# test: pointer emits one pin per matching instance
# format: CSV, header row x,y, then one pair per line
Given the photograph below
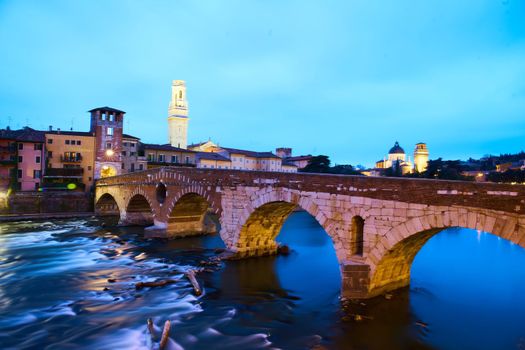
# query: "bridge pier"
x,y
355,280
136,218
182,226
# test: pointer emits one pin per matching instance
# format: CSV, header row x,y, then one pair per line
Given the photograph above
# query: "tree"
x,y
318,164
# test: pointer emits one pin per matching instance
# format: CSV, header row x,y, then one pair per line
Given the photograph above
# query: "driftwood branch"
x,y
161,283
165,335
190,274
151,329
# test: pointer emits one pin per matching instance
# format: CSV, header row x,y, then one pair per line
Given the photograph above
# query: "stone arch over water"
x,y
391,259
262,218
139,210
188,215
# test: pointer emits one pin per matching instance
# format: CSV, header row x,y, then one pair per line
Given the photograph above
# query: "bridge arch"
x,y
189,213
391,259
261,220
139,210
106,205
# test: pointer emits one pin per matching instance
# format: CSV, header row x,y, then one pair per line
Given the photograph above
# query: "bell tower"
x,y
178,115
420,157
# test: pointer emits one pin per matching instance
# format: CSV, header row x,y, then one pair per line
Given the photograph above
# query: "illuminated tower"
x,y
106,126
178,115
420,157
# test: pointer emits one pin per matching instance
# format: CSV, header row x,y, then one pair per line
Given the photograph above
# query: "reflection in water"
x,y
71,284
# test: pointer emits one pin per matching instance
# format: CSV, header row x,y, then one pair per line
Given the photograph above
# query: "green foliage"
x,y
508,176
318,164
446,170
321,164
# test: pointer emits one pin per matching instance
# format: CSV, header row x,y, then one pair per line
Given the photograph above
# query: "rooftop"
x,y
396,149
165,147
106,109
297,158
251,153
212,156
25,134
69,132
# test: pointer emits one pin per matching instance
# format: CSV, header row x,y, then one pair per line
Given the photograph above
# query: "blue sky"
x,y
342,78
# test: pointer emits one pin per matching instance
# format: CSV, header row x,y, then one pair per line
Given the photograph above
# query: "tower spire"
x,y
178,115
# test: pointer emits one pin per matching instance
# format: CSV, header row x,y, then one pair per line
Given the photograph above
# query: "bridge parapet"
x,y
509,198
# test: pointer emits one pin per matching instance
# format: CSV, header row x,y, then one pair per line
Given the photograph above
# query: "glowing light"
x,y
105,167
109,152
71,186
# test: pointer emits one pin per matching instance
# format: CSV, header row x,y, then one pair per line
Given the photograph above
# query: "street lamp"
x,y
109,152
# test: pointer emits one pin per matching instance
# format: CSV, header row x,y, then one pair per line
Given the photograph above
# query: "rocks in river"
x,y
112,280
160,283
283,250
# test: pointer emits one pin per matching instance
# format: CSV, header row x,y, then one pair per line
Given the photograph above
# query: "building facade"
x,y
70,160
167,155
132,157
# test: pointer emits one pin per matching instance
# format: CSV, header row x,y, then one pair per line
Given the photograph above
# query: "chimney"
x,y
50,127
58,130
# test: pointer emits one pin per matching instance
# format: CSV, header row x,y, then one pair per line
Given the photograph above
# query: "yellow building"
x,y
212,160
70,157
167,155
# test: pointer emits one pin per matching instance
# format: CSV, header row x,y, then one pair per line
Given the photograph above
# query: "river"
x,y
70,284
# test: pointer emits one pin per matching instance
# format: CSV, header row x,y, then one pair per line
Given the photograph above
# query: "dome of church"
x,y
396,149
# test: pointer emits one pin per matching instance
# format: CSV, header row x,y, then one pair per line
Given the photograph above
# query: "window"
x,y
162,158
125,144
141,166
49,154
37,174
132,145
49,141
132,153
124,153
103,116
67,142
174,159
122,166
180,93
19,173
187,160
20,159
20,146
78,142
89,167
151,157
37,185
109,131
111,117
132,168
108,145
37,160
358,224
89,178
38,146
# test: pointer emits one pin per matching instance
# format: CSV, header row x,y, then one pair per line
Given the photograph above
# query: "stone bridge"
x,y
377,225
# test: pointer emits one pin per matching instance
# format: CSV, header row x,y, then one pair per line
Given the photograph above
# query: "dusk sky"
x,y
342,78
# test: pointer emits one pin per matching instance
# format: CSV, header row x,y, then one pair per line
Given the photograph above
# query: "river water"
x,y
467,292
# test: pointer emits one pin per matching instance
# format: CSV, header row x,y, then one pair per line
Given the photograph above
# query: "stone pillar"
x,y
355,280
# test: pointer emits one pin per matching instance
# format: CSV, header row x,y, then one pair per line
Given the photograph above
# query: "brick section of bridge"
x,y
399,214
